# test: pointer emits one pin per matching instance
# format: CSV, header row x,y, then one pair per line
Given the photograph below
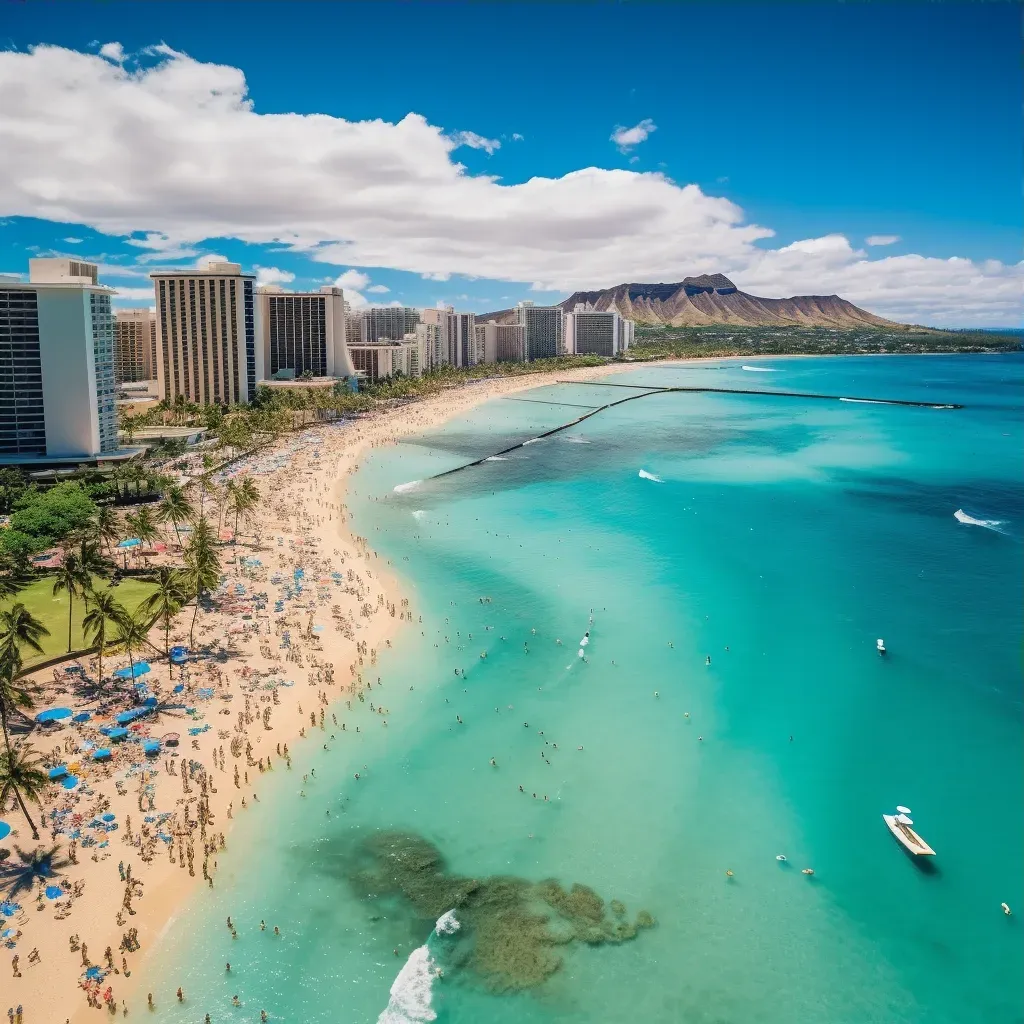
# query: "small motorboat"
x,y
880,645
901,826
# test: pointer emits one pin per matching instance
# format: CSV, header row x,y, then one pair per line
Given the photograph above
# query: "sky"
x,y
476,154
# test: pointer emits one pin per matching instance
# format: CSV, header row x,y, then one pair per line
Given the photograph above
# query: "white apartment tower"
x,y
303,332
543,330
57,394
135,349
207,331
388,323
597,332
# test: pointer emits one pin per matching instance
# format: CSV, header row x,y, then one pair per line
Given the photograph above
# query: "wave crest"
x,y
990,524
644,475
406,487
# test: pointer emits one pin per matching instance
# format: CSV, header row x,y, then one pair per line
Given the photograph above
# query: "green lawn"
x,y
52,611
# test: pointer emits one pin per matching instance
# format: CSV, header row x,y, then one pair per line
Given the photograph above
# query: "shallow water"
x,y
779,536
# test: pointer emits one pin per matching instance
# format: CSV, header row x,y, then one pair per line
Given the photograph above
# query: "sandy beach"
x,y
303,610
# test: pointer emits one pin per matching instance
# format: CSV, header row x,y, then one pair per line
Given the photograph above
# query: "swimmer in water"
x,y
708,662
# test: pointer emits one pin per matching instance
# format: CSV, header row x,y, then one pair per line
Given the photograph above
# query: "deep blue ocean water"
x,y
780,537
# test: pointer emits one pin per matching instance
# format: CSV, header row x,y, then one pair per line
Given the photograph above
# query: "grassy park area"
x,y
52,611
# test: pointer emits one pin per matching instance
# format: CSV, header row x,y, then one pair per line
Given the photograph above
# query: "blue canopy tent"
x,y
101,755
139,668
151,747
53,715
70,782
179,655
127,717
116,734
131,542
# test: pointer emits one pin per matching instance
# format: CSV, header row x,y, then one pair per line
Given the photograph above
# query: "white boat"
x,y
880,645
900,825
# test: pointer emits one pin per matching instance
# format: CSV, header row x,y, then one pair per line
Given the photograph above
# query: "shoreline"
x,y
303,522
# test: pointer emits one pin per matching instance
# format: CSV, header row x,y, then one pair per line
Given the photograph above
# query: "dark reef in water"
x,y
511,928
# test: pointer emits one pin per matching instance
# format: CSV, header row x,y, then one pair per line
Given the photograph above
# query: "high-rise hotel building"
x,y
597,332
303,332
135,348
207,335
57,394
543,330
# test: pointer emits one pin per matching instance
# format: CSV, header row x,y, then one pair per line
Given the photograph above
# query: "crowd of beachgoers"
x,y
149,766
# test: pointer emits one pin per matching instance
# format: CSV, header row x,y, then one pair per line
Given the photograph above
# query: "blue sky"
x,y
805,128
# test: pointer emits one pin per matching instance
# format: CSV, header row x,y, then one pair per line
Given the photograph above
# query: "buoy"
x,y
1006,908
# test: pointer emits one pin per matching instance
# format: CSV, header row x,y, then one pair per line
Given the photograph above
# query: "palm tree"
x,y
18,629
73,580
105,611
132,631
202,567
92,561
175,508
23,775
166,601
142,525
243,497
106,527
15,694
12,577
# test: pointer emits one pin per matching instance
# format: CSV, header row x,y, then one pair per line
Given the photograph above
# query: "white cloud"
x,y
113,51
627,138
354,279
378,289
210,257
74,241
881,239
177,150
516,137
134,294
474,141
273,275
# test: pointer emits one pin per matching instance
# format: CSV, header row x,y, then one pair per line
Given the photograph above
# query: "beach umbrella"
x,y
101,755
151,747
70,782
53,715
138,668
131,542
108,817
57,773
82,716
5,831
903,810
54,892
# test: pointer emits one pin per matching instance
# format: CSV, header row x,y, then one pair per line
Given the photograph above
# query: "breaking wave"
x,y
419,513
495,458
533,440
990,524
573,439
759,369
644,475
405,488
412,991
864,401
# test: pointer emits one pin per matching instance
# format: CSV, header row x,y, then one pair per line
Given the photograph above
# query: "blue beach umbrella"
x,y
5,831
108,817
53,715
82,716
139,668
54,892
58,773
70,782
131,542
101,755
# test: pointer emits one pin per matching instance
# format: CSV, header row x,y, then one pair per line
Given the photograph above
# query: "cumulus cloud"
x,y
171,152
74,241
354,279
113,51
881,239
133,294
273,275
211,257
627,138
475,141
378,289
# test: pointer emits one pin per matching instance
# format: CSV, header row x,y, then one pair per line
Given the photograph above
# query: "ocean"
x,y
652,865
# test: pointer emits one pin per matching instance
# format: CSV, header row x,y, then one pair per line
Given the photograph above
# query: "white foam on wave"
x,y
447,924
573,439
495,458
406,487
863,401
990,524
533,440
412,991
419,513
759,369
644,475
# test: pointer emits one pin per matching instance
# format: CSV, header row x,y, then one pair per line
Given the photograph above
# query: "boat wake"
x,y
759,369
412,991
406,487
990,524
644,475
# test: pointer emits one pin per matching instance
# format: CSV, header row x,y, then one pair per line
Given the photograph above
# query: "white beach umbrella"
x,y
903,810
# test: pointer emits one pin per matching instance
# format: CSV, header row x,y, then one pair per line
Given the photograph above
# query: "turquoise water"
x,y
781,537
